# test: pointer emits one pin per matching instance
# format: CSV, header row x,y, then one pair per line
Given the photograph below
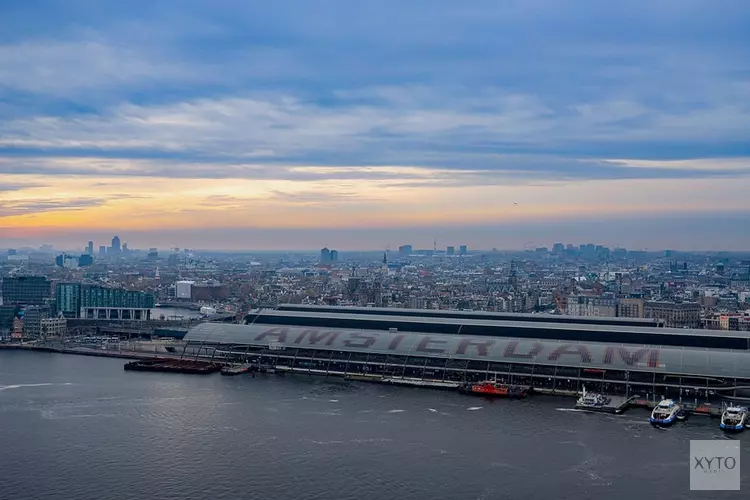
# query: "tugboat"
x,y
494,388
666,412
733,419
592,401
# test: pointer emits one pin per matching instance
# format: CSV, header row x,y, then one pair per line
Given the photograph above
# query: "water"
x,y
79,428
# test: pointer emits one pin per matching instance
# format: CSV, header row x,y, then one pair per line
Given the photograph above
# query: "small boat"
x,y
666,412
592,400
493,388
733,419
230,370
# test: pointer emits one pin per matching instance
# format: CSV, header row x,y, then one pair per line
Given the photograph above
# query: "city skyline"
x,y
287,126
721,235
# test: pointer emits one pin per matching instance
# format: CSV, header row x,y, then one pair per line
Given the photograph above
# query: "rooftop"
x,y
722,363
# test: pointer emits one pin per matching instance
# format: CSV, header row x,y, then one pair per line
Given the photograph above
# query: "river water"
x,y
82,428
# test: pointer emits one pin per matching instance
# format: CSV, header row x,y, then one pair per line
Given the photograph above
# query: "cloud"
x,y
369,107
30,207
17,186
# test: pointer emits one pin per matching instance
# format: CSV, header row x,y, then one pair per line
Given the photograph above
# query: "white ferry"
x,y
733,419
592,400
666,412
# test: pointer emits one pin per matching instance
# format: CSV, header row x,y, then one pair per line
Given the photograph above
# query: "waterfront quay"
x,y
446,352
645,363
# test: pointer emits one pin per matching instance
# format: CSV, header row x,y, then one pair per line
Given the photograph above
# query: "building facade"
x,y
26,290
32,320
53,327
76,300
183,290
68,299
675,315
631,308
583,305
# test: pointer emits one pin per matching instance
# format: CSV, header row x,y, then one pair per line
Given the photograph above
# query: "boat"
x,y
666,412
733,419
230,370
592,400
173,366
493,388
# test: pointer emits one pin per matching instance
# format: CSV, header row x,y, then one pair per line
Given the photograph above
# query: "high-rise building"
x,y
116,244
90,248
26,290
462,250
405,250
325,255
85,260
334,255
68,299
558,248
450,250
102,251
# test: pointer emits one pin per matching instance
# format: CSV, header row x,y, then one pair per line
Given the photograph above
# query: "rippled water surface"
x,y
82,428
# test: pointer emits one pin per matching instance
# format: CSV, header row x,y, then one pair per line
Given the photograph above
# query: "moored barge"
x,y
173,366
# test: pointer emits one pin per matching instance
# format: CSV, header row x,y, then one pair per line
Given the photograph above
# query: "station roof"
x,y
427,320
478,315
719,363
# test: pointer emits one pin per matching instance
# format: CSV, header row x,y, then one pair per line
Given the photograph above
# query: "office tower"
x,y
26,290
325,255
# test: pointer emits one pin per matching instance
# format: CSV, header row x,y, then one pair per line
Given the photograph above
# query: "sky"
x,y
365,125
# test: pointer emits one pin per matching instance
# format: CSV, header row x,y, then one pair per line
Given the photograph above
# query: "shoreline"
x,y
85,352
393,381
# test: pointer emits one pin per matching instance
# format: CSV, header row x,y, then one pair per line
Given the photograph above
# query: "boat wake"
x,y
48,415
396,411
18,386
474,408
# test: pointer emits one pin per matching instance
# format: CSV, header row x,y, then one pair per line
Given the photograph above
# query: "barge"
x,y
173,366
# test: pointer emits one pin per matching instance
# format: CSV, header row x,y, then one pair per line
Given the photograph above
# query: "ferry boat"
x,y
592,400
493,388
733,419
666,412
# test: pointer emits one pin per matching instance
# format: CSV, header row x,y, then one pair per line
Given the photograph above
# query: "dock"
x,y
616,405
